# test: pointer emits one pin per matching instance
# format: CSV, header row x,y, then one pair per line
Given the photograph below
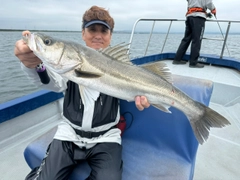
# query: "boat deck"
x,y
216,159
17,133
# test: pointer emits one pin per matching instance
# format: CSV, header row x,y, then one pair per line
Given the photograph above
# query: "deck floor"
x,y
13,165
218,158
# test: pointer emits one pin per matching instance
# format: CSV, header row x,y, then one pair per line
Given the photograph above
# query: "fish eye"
x,y
47,41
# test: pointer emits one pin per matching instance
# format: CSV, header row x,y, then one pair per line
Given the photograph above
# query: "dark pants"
x,y
62,156
193,33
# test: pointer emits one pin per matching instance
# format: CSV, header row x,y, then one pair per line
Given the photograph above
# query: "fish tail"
x,y
210,119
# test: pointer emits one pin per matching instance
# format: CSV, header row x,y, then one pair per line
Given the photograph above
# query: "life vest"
x,y
195,9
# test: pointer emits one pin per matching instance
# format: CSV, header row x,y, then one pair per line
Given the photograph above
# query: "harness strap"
x,y
195,9
89,134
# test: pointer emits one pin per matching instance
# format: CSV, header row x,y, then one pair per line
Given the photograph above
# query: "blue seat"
x,y
156,145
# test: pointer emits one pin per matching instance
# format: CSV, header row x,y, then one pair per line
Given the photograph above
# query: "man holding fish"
x,y
88,131
95,77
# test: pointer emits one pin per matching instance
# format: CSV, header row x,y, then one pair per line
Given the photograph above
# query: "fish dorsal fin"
x,y
118,52
159,68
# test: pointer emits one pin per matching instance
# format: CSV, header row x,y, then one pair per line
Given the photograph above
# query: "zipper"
x,y
101,100
80,105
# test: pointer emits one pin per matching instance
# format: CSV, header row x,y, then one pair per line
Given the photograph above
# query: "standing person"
x,y
195,25
88,131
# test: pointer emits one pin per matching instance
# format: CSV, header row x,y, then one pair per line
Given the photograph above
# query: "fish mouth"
x,y
33,42
38,43
30,40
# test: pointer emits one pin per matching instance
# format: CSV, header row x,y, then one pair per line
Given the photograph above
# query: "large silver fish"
x,y
109,71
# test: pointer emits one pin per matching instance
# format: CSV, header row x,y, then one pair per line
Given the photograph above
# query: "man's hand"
x,y
24,54
141,102
214,12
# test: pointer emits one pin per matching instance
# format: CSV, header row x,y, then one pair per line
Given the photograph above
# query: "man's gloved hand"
x,y
214,12
209,15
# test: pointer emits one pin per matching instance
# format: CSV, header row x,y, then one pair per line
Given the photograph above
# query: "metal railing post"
x,y
225,40
149,38
131,37
167,35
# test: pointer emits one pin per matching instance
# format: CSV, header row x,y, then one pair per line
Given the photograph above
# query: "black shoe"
x,y
196,66
179,62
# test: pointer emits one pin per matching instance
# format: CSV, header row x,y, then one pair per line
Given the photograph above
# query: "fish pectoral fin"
x,y
86,74
162,107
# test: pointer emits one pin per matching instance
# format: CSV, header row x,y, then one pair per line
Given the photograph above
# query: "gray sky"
x,y
67,14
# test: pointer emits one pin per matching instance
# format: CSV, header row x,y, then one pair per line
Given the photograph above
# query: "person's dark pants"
x,y
193,33
62,156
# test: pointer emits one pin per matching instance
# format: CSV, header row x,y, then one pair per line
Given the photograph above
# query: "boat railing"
x,y
224,37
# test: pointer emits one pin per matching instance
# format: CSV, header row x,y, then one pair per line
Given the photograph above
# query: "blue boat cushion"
x,y
156,145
